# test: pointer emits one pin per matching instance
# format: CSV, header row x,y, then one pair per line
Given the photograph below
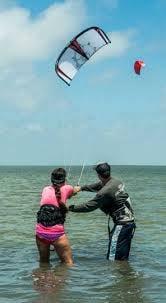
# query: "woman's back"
x,y
49,195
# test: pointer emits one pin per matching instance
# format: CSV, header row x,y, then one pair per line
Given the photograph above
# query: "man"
x,y
112,199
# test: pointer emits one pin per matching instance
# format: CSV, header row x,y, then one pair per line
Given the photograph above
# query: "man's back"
x,y
111,199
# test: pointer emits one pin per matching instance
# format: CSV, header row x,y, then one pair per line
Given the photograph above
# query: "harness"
x,y
49,215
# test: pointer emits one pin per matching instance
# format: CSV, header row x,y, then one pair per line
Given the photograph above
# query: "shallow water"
x,y
92,278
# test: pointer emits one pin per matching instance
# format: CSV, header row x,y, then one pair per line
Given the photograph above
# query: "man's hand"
x,y
77,189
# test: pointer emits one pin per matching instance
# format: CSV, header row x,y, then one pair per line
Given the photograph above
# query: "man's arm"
x,y
88,206
95,187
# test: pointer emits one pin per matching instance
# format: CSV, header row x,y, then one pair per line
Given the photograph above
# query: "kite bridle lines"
x,y
81,173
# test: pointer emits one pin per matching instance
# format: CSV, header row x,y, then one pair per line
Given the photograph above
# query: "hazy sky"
x,y
108,113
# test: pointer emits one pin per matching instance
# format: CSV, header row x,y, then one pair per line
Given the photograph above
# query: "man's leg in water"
x,y
44,251
120,241
63,250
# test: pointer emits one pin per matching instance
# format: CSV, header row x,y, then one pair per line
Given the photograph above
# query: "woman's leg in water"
x,y
63,250
44,250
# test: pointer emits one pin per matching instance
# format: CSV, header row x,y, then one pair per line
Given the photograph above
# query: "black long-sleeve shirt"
x,y
111,198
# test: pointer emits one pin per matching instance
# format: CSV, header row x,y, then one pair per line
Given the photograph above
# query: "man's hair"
x,y
103,170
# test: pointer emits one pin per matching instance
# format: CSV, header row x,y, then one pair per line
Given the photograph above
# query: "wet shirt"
x,y
49,197
111,198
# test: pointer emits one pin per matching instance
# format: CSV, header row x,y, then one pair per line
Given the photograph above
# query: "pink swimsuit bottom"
x,y
49,234
49,238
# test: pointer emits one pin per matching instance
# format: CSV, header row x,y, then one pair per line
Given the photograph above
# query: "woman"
x,y
51,218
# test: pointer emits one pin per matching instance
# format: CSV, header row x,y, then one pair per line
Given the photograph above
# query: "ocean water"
x,y
92,279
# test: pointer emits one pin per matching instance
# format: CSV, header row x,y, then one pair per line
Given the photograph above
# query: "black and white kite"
x,y
78,51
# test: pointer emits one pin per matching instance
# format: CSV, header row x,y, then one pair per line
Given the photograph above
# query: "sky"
x,y
108,113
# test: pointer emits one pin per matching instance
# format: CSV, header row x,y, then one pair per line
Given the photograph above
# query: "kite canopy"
x,y
78,51
138,65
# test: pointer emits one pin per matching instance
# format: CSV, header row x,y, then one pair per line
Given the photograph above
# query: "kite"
x,y
78,51
138,65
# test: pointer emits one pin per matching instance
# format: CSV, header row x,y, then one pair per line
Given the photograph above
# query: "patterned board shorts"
x,y
120,241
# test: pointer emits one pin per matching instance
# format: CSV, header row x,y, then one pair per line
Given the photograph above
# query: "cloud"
x,y
104,76
23,38
34,127
29,47
110,3
163,101
120,43
5,4
20,86
3,130
158,46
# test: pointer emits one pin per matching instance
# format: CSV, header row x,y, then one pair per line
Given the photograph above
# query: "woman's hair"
x,y
58,178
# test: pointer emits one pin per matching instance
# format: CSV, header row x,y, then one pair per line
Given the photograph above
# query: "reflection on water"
x,y
49,282
128,284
